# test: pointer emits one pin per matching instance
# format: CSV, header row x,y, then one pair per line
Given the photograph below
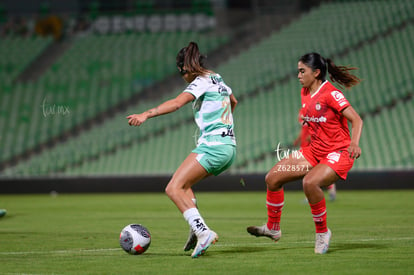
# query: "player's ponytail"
x,y
190,60
339,74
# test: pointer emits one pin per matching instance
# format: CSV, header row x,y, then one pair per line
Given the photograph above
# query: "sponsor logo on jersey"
x,y
228,133
223,90
314,119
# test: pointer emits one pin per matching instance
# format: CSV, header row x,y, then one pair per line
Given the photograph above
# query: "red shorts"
x,y
339,161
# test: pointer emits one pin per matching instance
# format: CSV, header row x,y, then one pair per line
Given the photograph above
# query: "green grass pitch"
x,y
373,233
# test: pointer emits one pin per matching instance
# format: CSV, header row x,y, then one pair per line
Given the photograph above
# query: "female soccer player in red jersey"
x,y
331,152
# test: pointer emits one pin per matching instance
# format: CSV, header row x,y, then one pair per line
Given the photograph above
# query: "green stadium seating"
x,y
379,35
88,79
16,54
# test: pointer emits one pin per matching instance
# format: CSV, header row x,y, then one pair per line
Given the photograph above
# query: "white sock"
x,y
194,219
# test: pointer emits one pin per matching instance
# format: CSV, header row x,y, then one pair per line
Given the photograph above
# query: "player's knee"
x,y
174,189
272,181
268,179
309,182
170,191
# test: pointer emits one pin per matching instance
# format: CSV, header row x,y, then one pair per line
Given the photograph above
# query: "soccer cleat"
x,y
191,241
2,212
203,243
322,242
263,231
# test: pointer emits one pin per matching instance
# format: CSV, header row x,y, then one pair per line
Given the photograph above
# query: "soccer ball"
x,y
135,239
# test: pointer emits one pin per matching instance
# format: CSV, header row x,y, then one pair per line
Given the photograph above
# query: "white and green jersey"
x,y
212,110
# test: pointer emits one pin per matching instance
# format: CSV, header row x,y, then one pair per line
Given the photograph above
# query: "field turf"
x,y
373,233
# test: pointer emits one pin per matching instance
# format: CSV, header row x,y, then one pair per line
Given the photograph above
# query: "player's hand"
x,y
136,119
354,151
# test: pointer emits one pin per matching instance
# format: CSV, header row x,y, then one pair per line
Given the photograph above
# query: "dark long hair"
x,y
193,61
339,74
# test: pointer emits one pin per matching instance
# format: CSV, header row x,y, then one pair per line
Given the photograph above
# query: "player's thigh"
x,y
188,173
286,170
215,159
321,175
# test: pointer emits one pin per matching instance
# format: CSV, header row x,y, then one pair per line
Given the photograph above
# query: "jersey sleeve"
x,y
197,88
337,101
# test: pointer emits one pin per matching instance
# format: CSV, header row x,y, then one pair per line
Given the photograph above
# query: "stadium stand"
x,y
378,40
17,53
15,111
389,139
95,73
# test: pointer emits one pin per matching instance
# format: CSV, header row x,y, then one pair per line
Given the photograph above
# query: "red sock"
x,y
319,216
274,203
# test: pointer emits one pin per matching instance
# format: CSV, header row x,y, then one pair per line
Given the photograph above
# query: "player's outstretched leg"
x,y
263,231
274,204
275,179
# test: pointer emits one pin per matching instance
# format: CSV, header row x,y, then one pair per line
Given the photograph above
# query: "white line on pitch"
x,y
312,241
80,251
70,251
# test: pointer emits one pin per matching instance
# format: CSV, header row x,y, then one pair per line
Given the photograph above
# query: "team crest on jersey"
x,y
214,79
317,106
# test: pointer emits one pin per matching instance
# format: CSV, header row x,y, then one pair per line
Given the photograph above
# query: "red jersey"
x,y
328,128
304,133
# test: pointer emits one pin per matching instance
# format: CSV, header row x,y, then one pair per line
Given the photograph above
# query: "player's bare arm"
x,y
233,102
168,106
352,116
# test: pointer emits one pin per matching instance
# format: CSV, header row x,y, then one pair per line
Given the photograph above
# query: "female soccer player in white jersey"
x,y
330,154
213,104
